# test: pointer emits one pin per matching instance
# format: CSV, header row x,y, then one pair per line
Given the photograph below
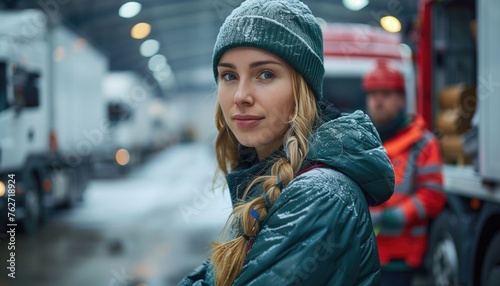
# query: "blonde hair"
x,y
228,257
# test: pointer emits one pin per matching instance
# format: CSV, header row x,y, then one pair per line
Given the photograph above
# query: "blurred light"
x,y
140,30
156,109
406,50
122,157
79,45
355,5
475,204
163,74
321,22
59,54
47,185
150,47
390,24
53,143
129,9
157,62
19,190
165,77
2,189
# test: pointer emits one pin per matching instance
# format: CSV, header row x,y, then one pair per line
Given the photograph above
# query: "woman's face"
x,y
255,94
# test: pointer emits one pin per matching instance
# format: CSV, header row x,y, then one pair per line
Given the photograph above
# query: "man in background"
x,y
401,223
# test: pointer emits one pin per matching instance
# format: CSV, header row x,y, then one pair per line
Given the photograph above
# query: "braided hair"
x,y
228,257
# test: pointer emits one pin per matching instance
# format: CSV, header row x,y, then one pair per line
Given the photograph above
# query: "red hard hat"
x,y
383,77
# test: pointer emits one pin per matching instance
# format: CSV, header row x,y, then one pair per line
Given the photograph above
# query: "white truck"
x,y
137,124
52,115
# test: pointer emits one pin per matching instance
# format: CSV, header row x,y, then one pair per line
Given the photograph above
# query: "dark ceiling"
x,y
186,29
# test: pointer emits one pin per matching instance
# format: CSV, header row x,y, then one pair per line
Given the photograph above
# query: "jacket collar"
x,y
249,168
405,137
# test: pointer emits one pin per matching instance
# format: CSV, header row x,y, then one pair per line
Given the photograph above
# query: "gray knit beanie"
x,y
285,28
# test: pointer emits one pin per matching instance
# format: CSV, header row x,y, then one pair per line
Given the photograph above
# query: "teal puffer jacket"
x,y
319,231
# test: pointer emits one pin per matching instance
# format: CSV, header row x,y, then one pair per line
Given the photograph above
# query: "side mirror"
x,y
26,91
118,112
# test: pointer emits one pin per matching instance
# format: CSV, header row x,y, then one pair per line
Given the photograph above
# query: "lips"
x,y
247,120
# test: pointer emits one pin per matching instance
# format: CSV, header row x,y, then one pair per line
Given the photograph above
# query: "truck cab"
x,y
350,51
50,108
23,112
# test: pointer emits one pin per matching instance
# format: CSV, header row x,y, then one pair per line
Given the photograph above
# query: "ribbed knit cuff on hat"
x,y
272,36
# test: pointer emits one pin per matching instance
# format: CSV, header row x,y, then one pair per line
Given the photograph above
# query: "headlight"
x,y
122,157
2,189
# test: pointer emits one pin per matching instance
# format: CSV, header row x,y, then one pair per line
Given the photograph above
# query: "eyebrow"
x,y
252,65
256,64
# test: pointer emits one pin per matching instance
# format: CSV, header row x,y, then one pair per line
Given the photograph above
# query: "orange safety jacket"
x,y
418,195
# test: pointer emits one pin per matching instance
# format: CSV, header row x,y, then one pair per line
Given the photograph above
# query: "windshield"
x,y
345,93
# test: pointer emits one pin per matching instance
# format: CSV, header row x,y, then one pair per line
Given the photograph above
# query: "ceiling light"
x,y
157,63
129,9
355,5
390,24
165,78
149,48
163,74
140,31
406,50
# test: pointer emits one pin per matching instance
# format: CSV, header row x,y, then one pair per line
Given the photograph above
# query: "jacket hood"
x,y
351,145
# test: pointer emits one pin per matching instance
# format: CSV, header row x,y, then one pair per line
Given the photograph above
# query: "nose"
x,y
376,96
244,95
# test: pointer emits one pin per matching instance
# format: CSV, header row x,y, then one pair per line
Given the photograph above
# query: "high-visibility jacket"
x,y
418,195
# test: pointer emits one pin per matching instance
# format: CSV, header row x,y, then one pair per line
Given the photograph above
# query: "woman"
x,y
300,175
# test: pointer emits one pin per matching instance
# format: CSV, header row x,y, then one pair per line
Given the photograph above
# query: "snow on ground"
x,y
179,178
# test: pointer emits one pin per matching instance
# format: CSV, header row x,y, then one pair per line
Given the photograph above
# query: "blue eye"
x,y
228,76
266,75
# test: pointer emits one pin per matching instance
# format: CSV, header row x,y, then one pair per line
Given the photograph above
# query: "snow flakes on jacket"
x,y
319,231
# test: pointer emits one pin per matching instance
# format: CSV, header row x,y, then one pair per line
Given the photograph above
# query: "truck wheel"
x,y
443,252
32,208
491,264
